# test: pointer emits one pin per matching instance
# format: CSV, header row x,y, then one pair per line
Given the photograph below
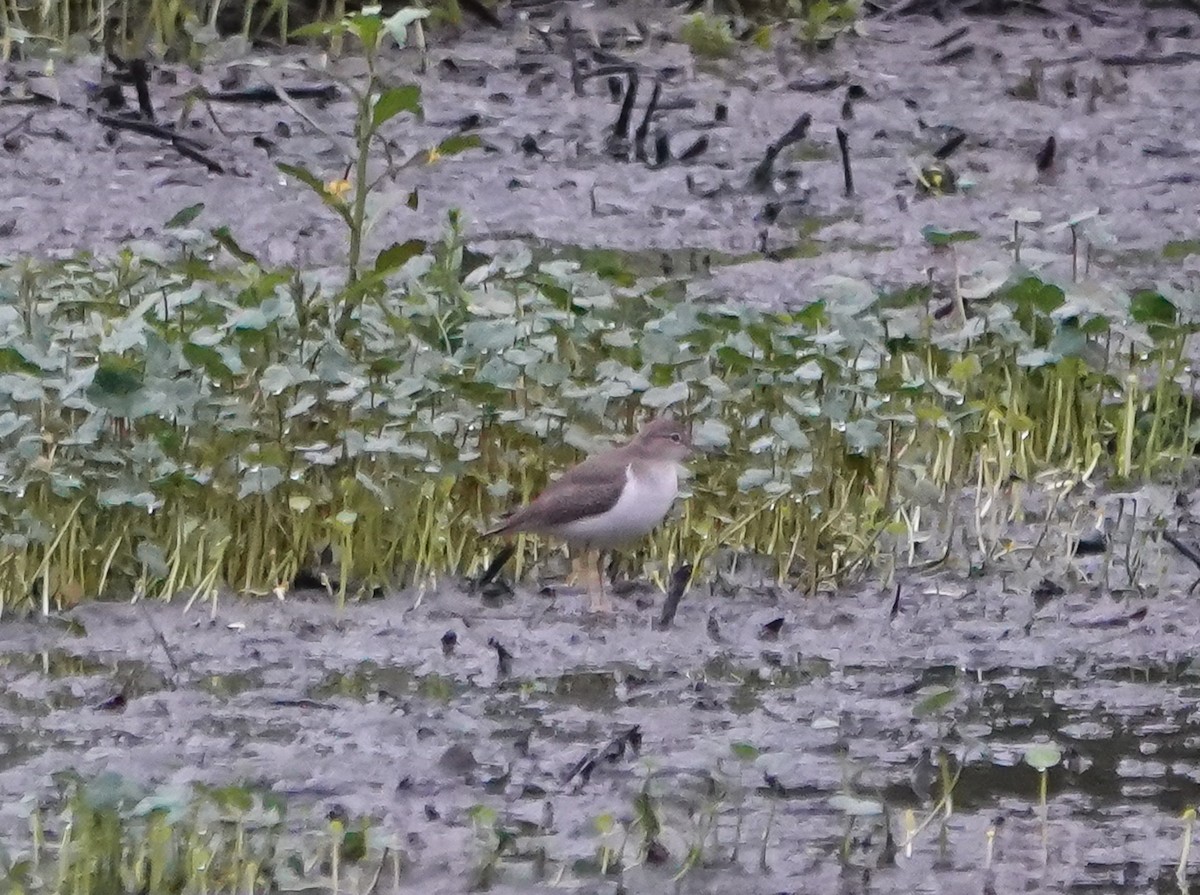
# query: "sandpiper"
x,y
610,499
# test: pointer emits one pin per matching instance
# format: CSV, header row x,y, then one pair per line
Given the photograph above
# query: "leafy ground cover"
x,y
197,422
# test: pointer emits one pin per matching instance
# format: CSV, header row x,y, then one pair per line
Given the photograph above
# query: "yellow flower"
x,y
433,156
337,189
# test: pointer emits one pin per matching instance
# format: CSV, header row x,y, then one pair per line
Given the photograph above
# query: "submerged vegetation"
x,y
196,422
113,835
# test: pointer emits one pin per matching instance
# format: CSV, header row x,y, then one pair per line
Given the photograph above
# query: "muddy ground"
x,y
1113,84
365,709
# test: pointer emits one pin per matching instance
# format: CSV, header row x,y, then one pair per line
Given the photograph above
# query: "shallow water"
x,y
366,710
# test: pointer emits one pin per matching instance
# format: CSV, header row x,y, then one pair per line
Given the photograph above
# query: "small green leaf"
x,y
318,29
185,216
939,237
459,143
934,702
223,236
367,27
1152,307
117,375
208,359
392,102
1179,249
965,369
1043,756
397,254
744,751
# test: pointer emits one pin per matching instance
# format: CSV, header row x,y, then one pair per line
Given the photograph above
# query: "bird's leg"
x,y
599,599
573,575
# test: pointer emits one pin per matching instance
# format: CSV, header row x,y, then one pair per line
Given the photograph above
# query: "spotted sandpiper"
x,y
611,498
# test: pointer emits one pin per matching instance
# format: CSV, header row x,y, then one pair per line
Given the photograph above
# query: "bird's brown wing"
x,y
589,489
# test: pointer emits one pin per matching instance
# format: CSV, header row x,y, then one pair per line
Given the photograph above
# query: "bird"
x,y
609,500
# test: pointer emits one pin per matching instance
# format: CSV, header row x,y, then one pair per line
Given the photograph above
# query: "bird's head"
x,y
665,438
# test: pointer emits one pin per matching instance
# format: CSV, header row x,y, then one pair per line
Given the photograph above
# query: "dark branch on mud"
x,y
162,642
679,583
1188,552
644,128
185,146
760,179
612,751
266,93
847,173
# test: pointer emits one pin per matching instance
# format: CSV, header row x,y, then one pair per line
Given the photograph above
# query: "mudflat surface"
x,y
1112,84
366,710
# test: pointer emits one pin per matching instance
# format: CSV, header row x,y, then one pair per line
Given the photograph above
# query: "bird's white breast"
x,y
644,502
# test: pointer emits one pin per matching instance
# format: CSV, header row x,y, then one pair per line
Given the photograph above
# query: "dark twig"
x,y
496,565
1188,552
613,750
621,128
644,128
162,642
662,150
679,583
1180,58
185,146
760,179
148,129
268,94
847,174
948,148
20,125
481,12
140,73
503,657
573,58
696,150
1045,156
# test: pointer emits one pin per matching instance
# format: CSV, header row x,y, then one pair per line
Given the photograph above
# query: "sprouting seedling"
x,y
853,807
941,239
1042,757
337,829
1185,847
1074,224
746,754
1020,216
610,857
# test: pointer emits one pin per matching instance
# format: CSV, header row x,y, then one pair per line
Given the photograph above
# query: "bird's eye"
x,y
675,437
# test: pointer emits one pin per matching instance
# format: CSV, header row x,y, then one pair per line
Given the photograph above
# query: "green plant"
x,y
1042,757
375,105
158,412
822,21
708,35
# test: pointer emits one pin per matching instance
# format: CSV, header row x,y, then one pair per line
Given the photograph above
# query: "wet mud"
x,y
376,710
798,715
1112,84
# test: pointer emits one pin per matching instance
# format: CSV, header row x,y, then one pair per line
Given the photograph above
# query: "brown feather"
x,y
589,489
